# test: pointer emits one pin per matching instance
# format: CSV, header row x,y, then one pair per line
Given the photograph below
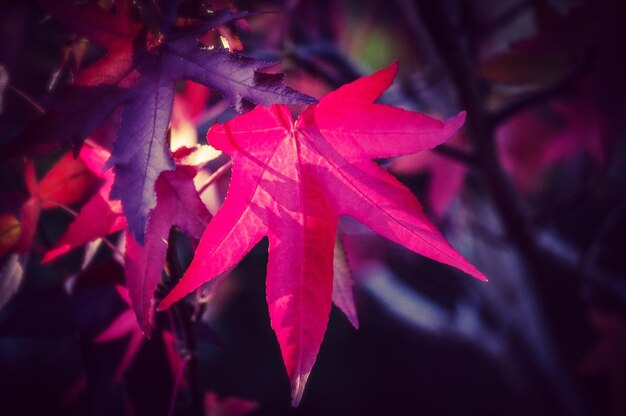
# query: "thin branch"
x,y
504,19
546,269
609,224
567,204
177,383
188,332
215,176
480,130
537,97
40,109
456,154
64,207
307,56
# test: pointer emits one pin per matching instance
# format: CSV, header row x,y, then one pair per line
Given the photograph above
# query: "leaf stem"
x,y
559,86
26,98
177,383
64,207
187,332
456,154
215,176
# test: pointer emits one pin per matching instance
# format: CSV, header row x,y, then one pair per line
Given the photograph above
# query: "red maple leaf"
x,y
66,183
178,204
292,180
99,217
125,325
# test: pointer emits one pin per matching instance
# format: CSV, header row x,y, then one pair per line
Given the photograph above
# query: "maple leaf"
x,y
572,46
139,73
122,326
534,140
66,183
291,181
227,406
99,217
178,204
10,232
343,282
125,325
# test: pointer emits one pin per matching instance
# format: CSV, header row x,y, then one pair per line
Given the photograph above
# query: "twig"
x,y
62,206
177,383
188,332
305,55
504,19
603,232
456,154
215,176
559,86
546,270
27,98
480,130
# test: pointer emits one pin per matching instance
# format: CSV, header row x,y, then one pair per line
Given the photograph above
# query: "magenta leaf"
x,y
99,217
122,326
178,205
139,72
343,283
292,180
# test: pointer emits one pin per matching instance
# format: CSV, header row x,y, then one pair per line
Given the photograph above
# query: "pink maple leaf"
x,y
125,325
292,180
68,182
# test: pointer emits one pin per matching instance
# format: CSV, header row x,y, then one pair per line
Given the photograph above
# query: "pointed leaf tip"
x,y
454,124
297,388
395,65
366,89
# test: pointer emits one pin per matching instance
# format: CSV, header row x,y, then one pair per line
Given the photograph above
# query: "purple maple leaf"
x,y
139,72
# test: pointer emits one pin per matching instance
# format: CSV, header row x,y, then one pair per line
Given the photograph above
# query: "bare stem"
x,y
187,331
456,154
215,176
27,98
537,97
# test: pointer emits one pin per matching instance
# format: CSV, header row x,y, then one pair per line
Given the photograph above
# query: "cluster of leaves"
x,y
290,180
131,170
